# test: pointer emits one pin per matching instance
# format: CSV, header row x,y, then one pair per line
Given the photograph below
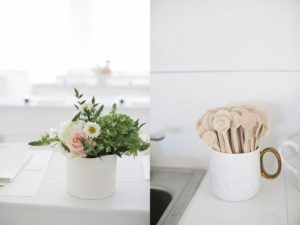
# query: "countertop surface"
x,y
277,203
52,205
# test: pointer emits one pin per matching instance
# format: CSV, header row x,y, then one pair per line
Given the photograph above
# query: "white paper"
x,y
28,182
12,164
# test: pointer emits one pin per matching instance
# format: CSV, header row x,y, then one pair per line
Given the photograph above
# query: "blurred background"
x,y
49,47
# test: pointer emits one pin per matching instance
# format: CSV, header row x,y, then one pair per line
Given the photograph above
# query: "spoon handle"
x,y
222,143
241,139
252,144
234,140
256,142
246,142
226,141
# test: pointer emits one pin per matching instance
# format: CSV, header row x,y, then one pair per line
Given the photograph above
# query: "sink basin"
x,y
159,201
171,191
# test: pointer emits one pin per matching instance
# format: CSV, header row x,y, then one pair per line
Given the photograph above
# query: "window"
x,y
48,38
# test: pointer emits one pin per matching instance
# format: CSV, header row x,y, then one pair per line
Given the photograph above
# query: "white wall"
x,y
214,53
192,35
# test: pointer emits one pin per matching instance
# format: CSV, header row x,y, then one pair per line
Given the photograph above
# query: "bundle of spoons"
x,y
233,130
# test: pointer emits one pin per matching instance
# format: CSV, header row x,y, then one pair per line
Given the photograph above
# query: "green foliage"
x,y
120,134
44,140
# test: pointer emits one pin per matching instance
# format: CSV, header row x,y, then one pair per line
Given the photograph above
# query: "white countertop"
x,y
277,203
128,206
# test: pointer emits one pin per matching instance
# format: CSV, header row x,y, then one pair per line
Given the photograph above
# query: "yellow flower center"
x,y
92,130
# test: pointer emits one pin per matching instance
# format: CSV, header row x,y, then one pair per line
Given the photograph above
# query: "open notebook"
x,y
12,161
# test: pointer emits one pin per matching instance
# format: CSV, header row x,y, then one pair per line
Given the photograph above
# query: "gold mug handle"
x,y
262,168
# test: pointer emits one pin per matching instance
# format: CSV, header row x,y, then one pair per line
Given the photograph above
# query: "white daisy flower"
x,y
92,129
85,106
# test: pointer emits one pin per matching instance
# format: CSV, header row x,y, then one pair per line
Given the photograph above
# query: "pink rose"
x,y
73,142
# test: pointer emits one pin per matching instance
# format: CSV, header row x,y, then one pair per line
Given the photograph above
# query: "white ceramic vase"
x,y
91,178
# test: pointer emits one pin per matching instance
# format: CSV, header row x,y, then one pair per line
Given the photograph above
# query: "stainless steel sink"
x,y
171,191
159,201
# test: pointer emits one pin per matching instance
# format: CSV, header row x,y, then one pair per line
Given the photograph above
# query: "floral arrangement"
x,y
90,134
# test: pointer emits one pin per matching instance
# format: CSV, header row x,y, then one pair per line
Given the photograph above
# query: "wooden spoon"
x,y
258,134
235,124
240,132
248,121
265,130
200,130
239,109
251,134
221,124
223,112
260,130
211,140
262,115
210,120
204,121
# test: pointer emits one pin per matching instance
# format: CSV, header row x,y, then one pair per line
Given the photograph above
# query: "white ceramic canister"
x,y
91,178
237,177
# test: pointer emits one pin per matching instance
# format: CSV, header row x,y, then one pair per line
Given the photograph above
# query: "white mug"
x,y
293,144
237,177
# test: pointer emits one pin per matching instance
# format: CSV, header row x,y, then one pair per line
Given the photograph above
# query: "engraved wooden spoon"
x,y
221,124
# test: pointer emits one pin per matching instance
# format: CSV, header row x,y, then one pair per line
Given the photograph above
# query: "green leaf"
x,y
82,102
98,112
141,125
118,154
114,108
64,146
76,117
76,107
137,122
93,100
37,143
76,92
44,140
